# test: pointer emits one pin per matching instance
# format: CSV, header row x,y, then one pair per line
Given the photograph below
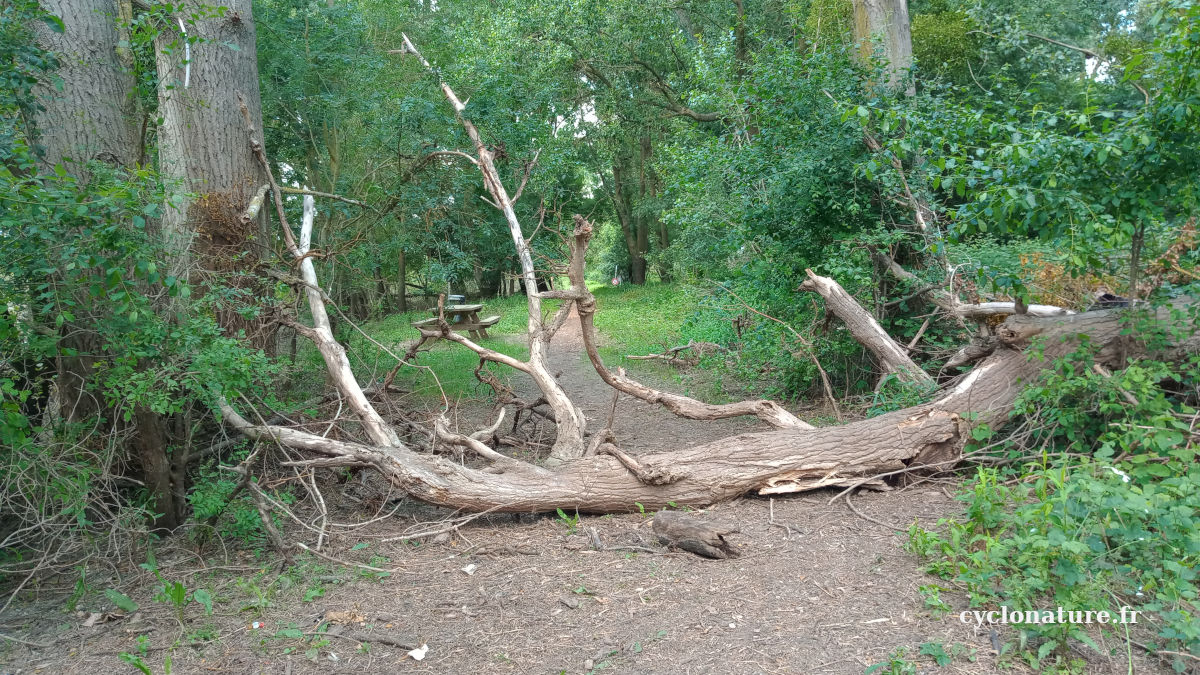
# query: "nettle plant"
x,y
1096,508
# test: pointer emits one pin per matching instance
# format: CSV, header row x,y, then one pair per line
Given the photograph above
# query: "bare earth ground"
x,y
821,591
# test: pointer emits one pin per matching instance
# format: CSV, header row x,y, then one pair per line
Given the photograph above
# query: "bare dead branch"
x,y
255,205
525,179
326,195
454,153
571,423
949,302
810,350
866,330
768,411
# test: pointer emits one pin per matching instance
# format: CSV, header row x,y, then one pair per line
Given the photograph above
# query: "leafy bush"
x,y
210,499
1095,508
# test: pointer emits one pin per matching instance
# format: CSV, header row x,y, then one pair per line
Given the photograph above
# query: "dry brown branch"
x,y
866,330
860,514
768,411
673,355
257,147
525,179
676,530
255,205
788,529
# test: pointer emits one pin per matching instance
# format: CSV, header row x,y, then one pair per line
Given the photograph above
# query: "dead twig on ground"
x,y
771,521
864,516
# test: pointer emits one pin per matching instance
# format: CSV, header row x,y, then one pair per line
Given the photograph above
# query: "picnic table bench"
x,y
462,317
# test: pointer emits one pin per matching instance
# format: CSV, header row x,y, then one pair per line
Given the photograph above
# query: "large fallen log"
x,y
770,462
789,459
793,457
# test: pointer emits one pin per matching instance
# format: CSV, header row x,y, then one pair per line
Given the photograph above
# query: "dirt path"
x,y
821,591
638,427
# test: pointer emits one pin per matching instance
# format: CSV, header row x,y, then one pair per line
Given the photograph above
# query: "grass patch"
x,y
642,319
649,320
453,365
630,319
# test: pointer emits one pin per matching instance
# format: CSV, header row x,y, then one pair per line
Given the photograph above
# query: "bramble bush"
x,y
1092,505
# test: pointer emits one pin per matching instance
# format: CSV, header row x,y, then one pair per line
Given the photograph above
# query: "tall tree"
x,y
883,25
85,114
88,110
206,67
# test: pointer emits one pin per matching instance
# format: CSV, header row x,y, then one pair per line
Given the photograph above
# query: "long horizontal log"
x,y
949,302
783,460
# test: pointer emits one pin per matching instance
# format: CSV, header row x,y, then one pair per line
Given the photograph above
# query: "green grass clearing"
x,y
630,320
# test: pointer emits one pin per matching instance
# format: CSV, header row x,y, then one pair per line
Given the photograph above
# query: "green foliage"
x,y
1103,172
123,602
80,262
945,44
138,660
896,394
570,522
896,664
1104,517
642,319
22,65
236,518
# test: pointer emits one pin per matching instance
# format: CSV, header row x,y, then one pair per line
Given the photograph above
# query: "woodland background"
x,y
1027,152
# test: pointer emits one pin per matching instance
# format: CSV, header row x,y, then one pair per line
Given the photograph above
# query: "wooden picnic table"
x,y
462,317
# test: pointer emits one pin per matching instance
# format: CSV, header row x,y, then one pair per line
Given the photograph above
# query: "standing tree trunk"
x,y
215,175
633,224
202,147
402,273
883,25
91,117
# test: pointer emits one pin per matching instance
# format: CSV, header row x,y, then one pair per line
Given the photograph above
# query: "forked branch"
x,y
768,411
568,443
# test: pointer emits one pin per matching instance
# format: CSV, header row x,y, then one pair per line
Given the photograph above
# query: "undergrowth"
x,y
1092,505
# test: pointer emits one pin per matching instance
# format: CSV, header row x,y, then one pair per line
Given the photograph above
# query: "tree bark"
x,y
202,148
93,116
664,240
151,442
884,25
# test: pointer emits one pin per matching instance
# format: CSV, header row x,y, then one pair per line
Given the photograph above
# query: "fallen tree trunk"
x,y
793,457
950,302
789,459
770,462
866,330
